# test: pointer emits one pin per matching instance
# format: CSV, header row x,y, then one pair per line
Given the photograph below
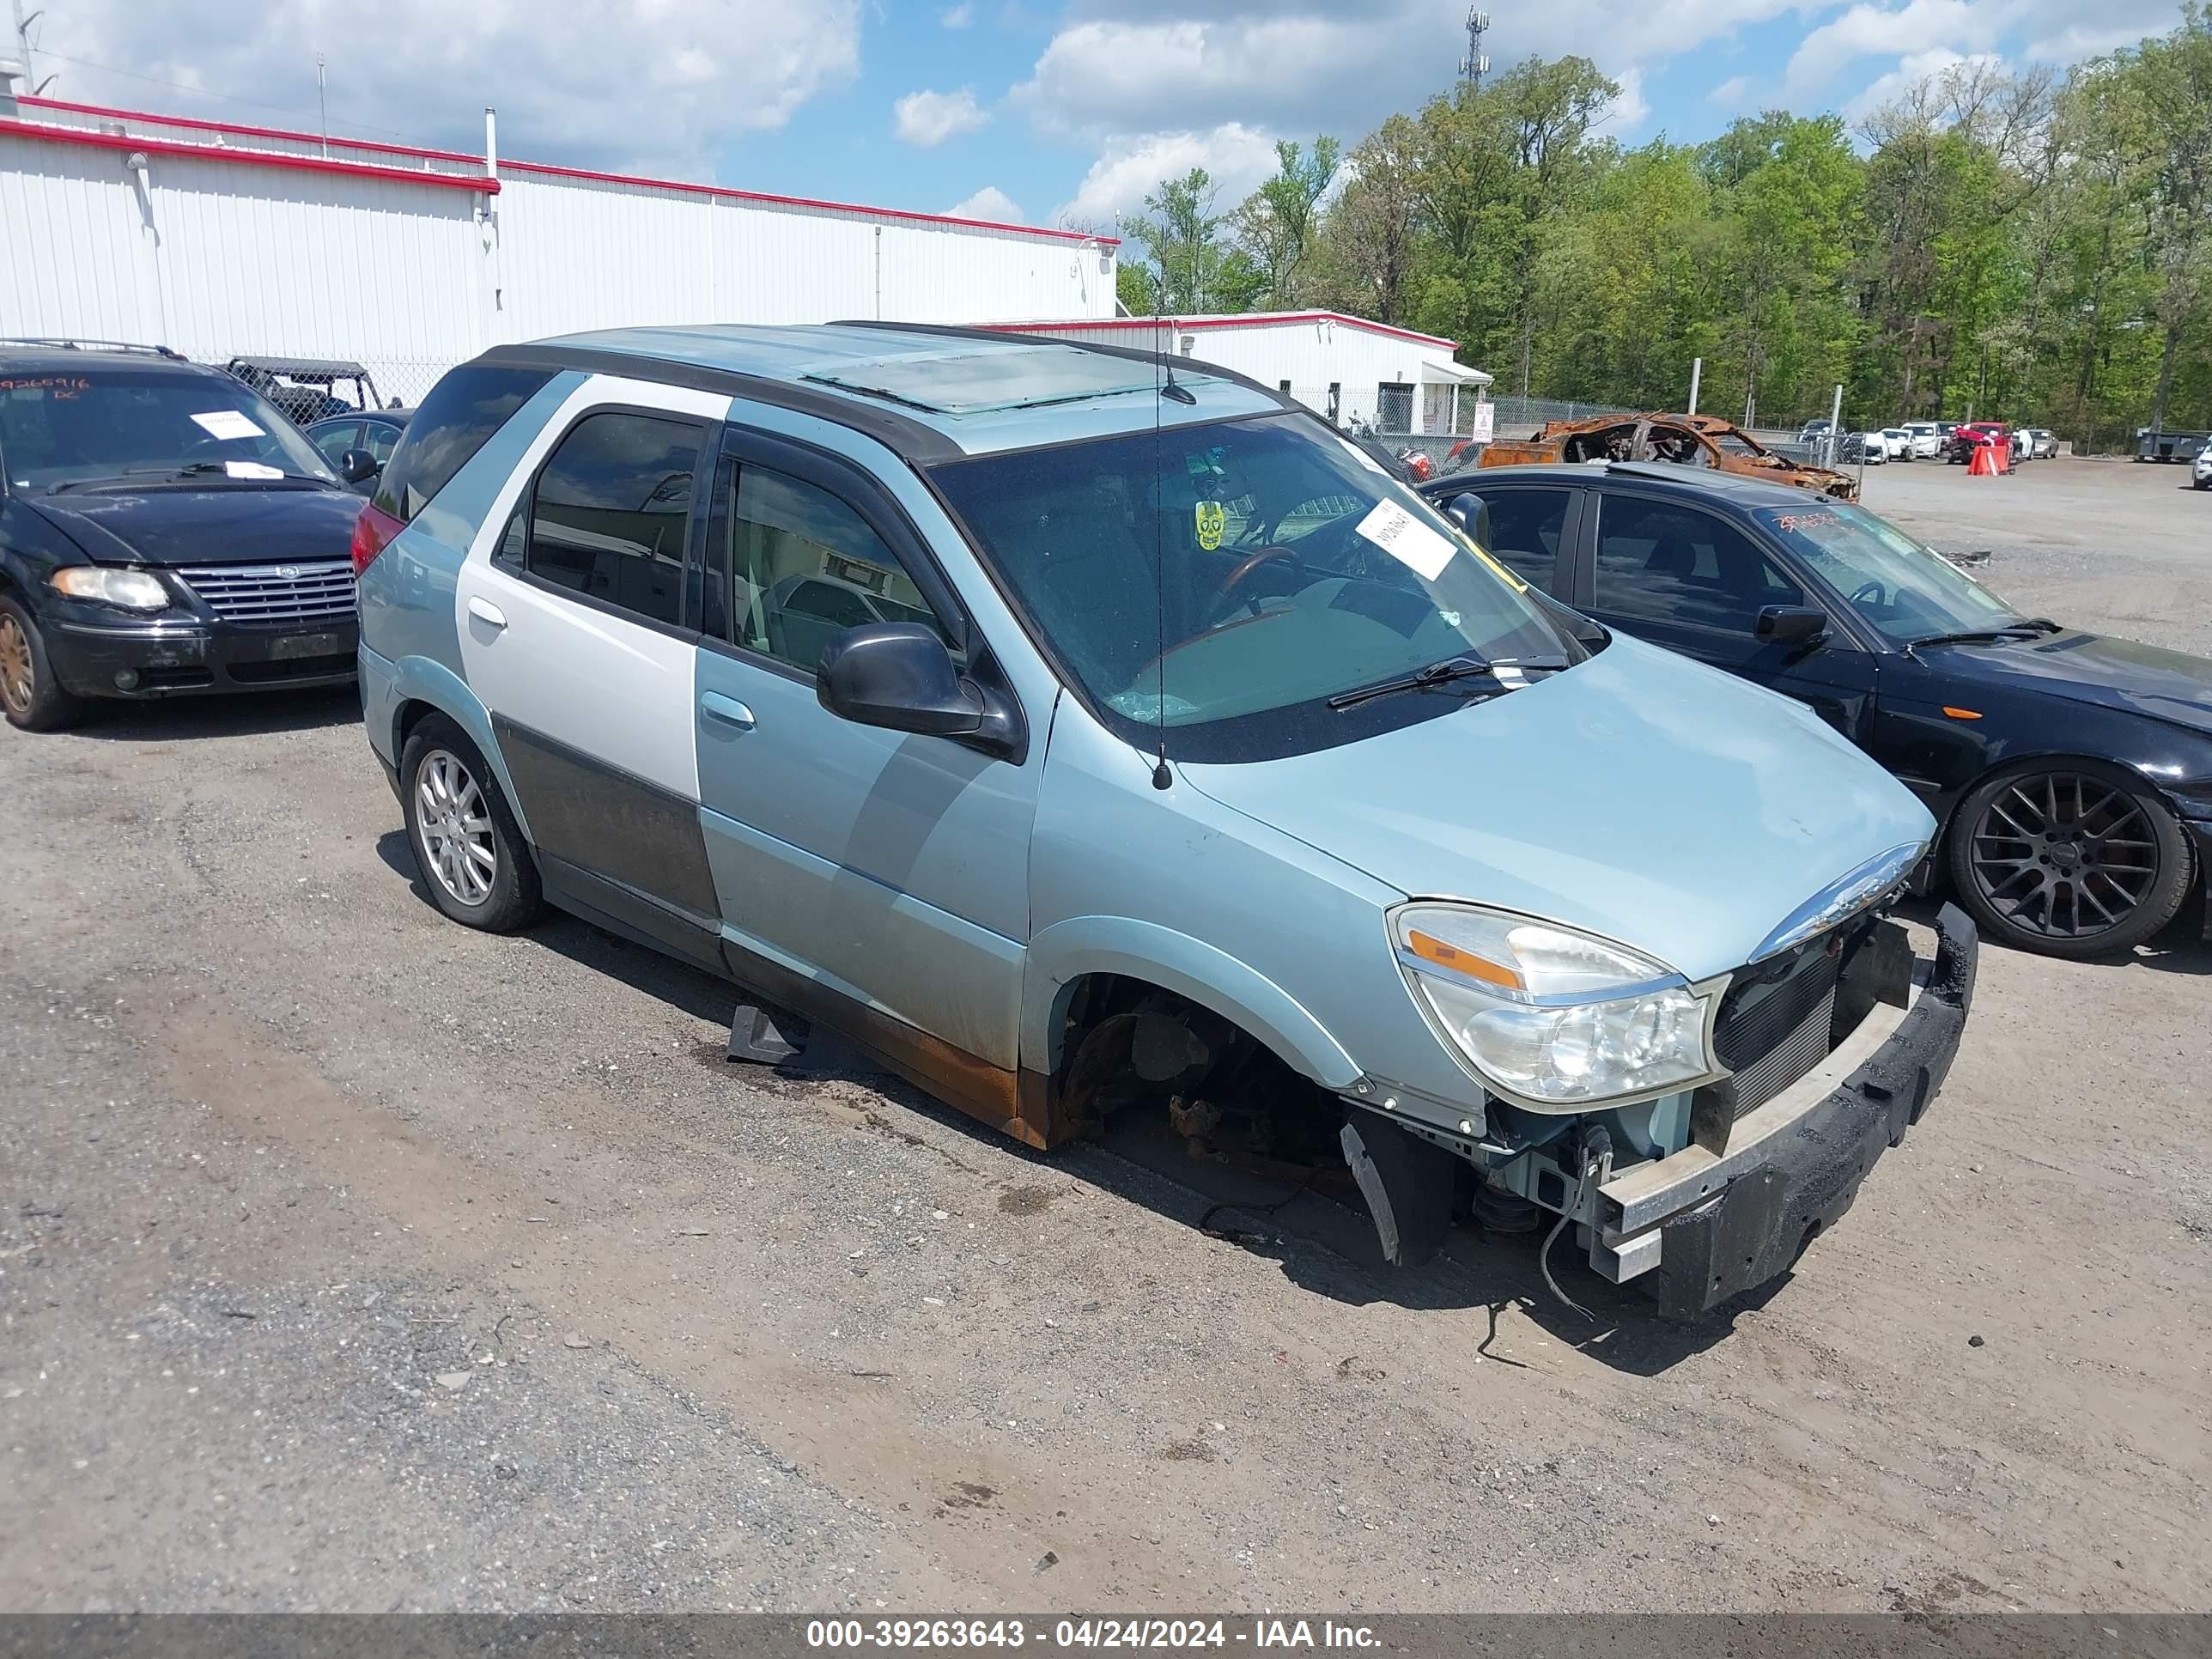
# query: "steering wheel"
x,y
1871,593
1245,566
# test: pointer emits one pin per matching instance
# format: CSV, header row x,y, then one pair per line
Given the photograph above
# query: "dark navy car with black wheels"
x,y
163,529
2071,772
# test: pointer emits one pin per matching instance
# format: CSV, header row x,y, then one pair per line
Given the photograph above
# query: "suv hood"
x,y
230,524
2093,668
1639,795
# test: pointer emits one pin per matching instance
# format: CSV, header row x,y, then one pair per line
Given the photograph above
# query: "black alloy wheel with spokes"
x,y
2071,859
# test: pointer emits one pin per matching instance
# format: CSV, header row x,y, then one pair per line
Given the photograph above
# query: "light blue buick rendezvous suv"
x,y
1073,731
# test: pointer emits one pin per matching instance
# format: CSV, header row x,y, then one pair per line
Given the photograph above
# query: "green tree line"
x,y
2021,246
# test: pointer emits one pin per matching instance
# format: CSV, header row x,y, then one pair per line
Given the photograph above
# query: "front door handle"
x,y
726,711
487,613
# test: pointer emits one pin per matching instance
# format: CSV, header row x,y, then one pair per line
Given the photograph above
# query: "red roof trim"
x,y
1257,320
551,170
259,158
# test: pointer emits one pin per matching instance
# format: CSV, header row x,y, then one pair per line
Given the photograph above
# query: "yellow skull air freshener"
x,y
1213,520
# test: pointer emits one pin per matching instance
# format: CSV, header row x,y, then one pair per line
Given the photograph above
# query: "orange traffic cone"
x,y
1984,462
2001,456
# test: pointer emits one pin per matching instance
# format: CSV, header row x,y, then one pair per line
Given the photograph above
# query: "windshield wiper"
x,y
175,474
1444,673
1990,635
100,479
222,470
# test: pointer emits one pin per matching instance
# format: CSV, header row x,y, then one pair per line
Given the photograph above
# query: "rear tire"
x,y
30,696
2072,859
468,848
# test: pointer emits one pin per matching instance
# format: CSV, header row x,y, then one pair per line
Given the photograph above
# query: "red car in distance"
x,y
1960,447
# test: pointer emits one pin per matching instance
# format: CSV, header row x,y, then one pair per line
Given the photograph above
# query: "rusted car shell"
x,y
1686,440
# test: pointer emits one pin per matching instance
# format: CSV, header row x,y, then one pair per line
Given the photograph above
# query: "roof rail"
x,y
65,343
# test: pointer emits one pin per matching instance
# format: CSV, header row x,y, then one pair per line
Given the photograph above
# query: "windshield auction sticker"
x,y
227,423
1406,540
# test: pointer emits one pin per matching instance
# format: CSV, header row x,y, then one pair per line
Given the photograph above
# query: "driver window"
x,y
1662,563
804,566
338,439
1524,530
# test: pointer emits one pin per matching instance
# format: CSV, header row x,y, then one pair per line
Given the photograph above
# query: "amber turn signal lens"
x,y
1430,949
1960,714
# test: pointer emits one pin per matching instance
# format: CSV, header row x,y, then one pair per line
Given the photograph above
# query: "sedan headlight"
x,y
1550,1014
132,590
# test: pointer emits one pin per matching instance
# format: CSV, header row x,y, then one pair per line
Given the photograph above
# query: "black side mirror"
x,y
1792,624
900,677
358,466
1472,514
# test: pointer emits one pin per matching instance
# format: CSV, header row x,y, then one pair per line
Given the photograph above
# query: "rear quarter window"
x,y
454,422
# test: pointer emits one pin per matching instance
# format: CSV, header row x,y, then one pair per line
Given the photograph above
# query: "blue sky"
x,y
1048,111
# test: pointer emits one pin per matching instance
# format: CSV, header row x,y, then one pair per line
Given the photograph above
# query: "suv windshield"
x,y
1907,591
79,426
1217,575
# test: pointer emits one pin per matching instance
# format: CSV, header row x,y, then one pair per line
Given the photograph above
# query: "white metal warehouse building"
x,y
220,240
1346,368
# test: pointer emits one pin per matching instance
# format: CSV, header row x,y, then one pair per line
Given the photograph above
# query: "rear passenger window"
x,y
1525,525
805,566
462,411
607,515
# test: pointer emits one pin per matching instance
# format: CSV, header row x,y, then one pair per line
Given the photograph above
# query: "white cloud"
x,y
1628,111
1919,28
1912,69
989,203
959,17
2047,30
599,86
2072,40
1143,78
1302,66
1729,93
1130,167
928,118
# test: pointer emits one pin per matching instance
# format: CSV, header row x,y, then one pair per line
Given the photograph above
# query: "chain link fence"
x,y
310,390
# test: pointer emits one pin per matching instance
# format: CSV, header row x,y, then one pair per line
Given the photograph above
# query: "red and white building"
x,y
218,239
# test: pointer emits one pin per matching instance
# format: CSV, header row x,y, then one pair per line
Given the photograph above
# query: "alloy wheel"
x,y
455,829
2064,856
16,671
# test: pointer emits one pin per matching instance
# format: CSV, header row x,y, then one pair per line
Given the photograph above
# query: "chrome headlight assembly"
x,y
127,590
1556,1017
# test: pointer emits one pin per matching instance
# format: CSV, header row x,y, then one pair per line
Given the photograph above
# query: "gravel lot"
x,y
350,1260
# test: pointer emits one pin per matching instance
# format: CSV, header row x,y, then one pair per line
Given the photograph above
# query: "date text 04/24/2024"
x,y
1145,1633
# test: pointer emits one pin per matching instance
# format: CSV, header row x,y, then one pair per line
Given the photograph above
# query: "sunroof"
x,y
978,382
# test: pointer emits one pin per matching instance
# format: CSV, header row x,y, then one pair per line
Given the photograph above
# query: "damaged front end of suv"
x,y
1697,1136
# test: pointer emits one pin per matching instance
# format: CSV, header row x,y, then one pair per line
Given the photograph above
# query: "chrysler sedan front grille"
x,y
305,591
